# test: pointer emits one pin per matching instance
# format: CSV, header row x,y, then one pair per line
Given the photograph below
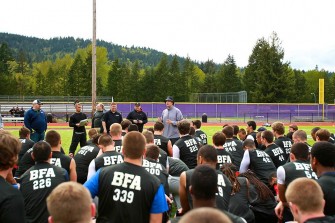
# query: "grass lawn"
x,y
66,133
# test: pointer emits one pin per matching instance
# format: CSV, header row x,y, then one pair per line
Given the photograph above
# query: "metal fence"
x,y
216,112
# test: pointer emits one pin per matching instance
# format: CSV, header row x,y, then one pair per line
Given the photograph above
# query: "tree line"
x,y
267,78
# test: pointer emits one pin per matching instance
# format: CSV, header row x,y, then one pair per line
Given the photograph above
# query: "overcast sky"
x,y
200,29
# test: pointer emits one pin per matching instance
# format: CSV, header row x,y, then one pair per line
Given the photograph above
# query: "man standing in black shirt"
x,y
127,192
284,142
38,182
251,131
110,117
11,201
323,163
116,134
97,117
186,148
79,131
138,117
201,135
276,153
233,145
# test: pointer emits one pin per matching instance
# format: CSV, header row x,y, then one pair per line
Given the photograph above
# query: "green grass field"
x,y
66,133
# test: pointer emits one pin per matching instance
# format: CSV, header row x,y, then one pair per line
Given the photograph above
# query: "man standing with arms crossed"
x,y
170,118
138,117
110,117
36,121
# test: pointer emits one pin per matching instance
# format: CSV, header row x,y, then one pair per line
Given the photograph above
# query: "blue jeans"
x,y
37,136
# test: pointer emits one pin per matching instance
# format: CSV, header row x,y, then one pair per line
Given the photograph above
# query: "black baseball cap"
x,y
169,98
137,104
37,101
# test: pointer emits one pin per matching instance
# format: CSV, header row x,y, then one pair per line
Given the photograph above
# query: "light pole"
x,y
314,97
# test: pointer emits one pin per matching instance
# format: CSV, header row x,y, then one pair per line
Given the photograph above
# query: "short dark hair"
x,y
184,127
236,129
197,123
133,145
228,131
41,151
249,143
324,152
208,153
125,124
323,134
219,139
315,129
268,136
132,127
300,150
105,140
149,136
278,127
152,151
204,182
252,124
9,149
53,138
24,132
159,126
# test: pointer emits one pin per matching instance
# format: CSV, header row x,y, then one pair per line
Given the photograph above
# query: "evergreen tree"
x,y
267,78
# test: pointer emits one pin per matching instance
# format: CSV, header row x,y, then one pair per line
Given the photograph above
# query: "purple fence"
x,y
215,112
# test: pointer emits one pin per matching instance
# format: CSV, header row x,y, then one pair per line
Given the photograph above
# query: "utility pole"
x,y
94,58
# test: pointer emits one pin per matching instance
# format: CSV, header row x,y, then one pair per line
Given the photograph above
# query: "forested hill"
x,y
38,50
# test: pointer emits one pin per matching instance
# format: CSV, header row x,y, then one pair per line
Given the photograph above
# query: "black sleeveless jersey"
x,y
239,201
188,150
36,184
161,142
61,160
83,158
222,197
223,157
25,163
297,169
158,170
277,154
262,165
118,145
26,144
126,192
285,143
176,167
327,183
201,135
162,159
108,158
235,148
